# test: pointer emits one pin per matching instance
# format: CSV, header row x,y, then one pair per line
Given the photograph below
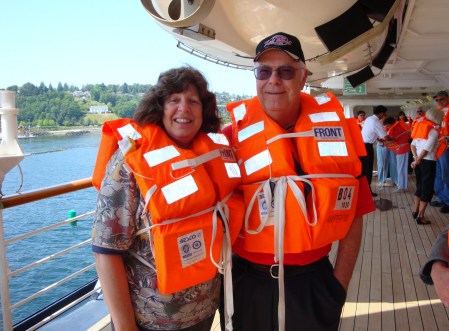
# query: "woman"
x,y
424,145
175,115
402,117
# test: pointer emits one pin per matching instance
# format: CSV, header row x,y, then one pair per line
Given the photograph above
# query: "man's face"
x,y
275,93
381,116
442,101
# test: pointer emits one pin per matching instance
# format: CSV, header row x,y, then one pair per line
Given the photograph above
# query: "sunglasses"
x,y
285,72
440,99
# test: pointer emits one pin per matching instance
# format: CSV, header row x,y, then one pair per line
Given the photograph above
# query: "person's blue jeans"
x,y
442,179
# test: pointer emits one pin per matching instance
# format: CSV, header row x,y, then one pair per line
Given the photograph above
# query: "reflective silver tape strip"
x,y
161,155
129,131
218,138
250,131
239,112
232,170
329,116
332,148
192,163
179,189
258,162
322,98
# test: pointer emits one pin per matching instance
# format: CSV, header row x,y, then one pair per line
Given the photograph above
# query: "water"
x,y
53,160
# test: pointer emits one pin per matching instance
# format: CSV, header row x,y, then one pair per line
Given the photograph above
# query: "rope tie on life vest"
x,y
224,266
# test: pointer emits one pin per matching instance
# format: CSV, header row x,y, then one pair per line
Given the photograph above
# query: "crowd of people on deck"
x,y
192,217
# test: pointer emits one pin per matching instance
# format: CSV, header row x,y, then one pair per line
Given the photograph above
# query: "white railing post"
x,y
4,279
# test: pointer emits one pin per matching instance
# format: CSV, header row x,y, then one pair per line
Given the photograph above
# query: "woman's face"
x,y
182,116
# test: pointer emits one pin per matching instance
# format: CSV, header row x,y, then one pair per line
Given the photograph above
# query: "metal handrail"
x,y
6,274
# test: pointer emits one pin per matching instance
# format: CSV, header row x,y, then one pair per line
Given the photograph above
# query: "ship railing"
x,y
6,274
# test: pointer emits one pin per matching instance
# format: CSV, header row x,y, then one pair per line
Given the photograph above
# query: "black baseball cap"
x,y
441,94
284,42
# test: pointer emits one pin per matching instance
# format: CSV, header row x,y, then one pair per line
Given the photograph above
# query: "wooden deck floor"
x,y
386,292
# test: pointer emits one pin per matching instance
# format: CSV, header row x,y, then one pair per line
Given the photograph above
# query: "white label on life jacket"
x,y
328,133
160,155
322,98
332,148
129,131
344,197
329,116
239,112
191,248
263,209
250,131
233,170
258,162
218,138
179,189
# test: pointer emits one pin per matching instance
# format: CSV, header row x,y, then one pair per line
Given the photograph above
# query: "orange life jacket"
x,y
400,143
421,130
187,192
360,123
326,146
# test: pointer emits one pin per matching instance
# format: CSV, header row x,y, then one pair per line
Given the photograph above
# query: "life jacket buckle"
x,y
274,270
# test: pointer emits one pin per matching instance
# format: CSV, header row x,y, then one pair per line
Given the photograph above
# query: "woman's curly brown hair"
x,y
177,80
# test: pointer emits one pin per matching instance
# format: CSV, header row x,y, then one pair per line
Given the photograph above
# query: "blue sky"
x,y
95,41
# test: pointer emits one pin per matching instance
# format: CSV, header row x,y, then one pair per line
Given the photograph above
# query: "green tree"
x,y
108,97
27,90
95,93
12,88
125,89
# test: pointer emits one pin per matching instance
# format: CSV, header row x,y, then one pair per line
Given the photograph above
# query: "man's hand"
x,y
440,277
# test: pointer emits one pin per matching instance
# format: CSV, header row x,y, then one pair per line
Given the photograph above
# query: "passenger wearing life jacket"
x,y
436,270
299,161
424,148
420,115
361,116
400,132
167,212
442,172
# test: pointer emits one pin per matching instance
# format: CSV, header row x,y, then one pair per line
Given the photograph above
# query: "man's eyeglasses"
x,y
440,99
285,72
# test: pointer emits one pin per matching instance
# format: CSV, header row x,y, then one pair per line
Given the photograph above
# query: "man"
x,y
436,270
373,131
442,172
279,282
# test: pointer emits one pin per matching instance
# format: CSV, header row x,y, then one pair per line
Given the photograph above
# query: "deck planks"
x,y
386,292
